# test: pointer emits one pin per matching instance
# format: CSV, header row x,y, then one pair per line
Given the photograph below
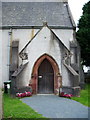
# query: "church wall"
x,y
65,35
23,36
65,76
45,43
5,55
65,73
73,57
23,78
1,59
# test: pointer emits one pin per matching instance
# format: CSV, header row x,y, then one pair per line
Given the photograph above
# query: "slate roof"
x,y
35,13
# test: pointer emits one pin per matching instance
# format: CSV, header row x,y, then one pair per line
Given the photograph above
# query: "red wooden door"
x,y
45,78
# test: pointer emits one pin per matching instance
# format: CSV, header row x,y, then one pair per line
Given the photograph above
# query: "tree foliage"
x,y
83,34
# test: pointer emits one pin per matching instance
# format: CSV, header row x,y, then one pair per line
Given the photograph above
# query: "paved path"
x,y
0,105
52,106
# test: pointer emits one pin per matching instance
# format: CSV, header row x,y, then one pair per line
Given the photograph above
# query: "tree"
x,y
83,34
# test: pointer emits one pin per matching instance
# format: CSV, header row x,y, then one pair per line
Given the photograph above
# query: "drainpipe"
x,y
10,33
1,80
9,51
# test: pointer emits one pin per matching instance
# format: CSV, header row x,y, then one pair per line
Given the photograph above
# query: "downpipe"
x,y
9,51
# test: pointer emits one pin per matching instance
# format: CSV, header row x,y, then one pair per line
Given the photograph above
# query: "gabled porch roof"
x,y
45,25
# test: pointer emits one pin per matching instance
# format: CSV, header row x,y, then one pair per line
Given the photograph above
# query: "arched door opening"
x,y
45,77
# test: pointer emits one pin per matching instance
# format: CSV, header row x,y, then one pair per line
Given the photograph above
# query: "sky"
x,y
76,8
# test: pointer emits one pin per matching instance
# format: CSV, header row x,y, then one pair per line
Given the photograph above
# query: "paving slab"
x,y
52,106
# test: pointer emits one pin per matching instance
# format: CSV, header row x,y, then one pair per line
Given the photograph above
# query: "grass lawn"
x,y
14,108
84,96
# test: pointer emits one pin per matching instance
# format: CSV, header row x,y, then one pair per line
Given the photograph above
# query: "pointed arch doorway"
x,y
45,76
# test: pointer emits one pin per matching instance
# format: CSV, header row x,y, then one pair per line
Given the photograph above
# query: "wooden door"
x,y
45,78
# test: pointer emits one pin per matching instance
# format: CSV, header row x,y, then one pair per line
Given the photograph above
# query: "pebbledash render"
x,y
39,47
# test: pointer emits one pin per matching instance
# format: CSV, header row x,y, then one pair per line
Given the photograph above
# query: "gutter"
x,y
34,27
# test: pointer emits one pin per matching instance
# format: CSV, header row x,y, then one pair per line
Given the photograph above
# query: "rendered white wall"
x,y
1,59
44,42
5,55
73,59
65,35
23,36
65,76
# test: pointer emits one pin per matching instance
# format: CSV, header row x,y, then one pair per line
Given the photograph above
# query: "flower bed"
x,y
25,94
62,94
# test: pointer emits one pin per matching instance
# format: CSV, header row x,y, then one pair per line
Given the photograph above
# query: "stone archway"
x,y
57,77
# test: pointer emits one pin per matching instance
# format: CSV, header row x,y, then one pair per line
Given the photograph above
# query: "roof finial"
x,y
44,23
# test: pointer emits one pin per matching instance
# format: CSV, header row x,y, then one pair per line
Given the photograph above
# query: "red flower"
x,y
25,94
66,95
